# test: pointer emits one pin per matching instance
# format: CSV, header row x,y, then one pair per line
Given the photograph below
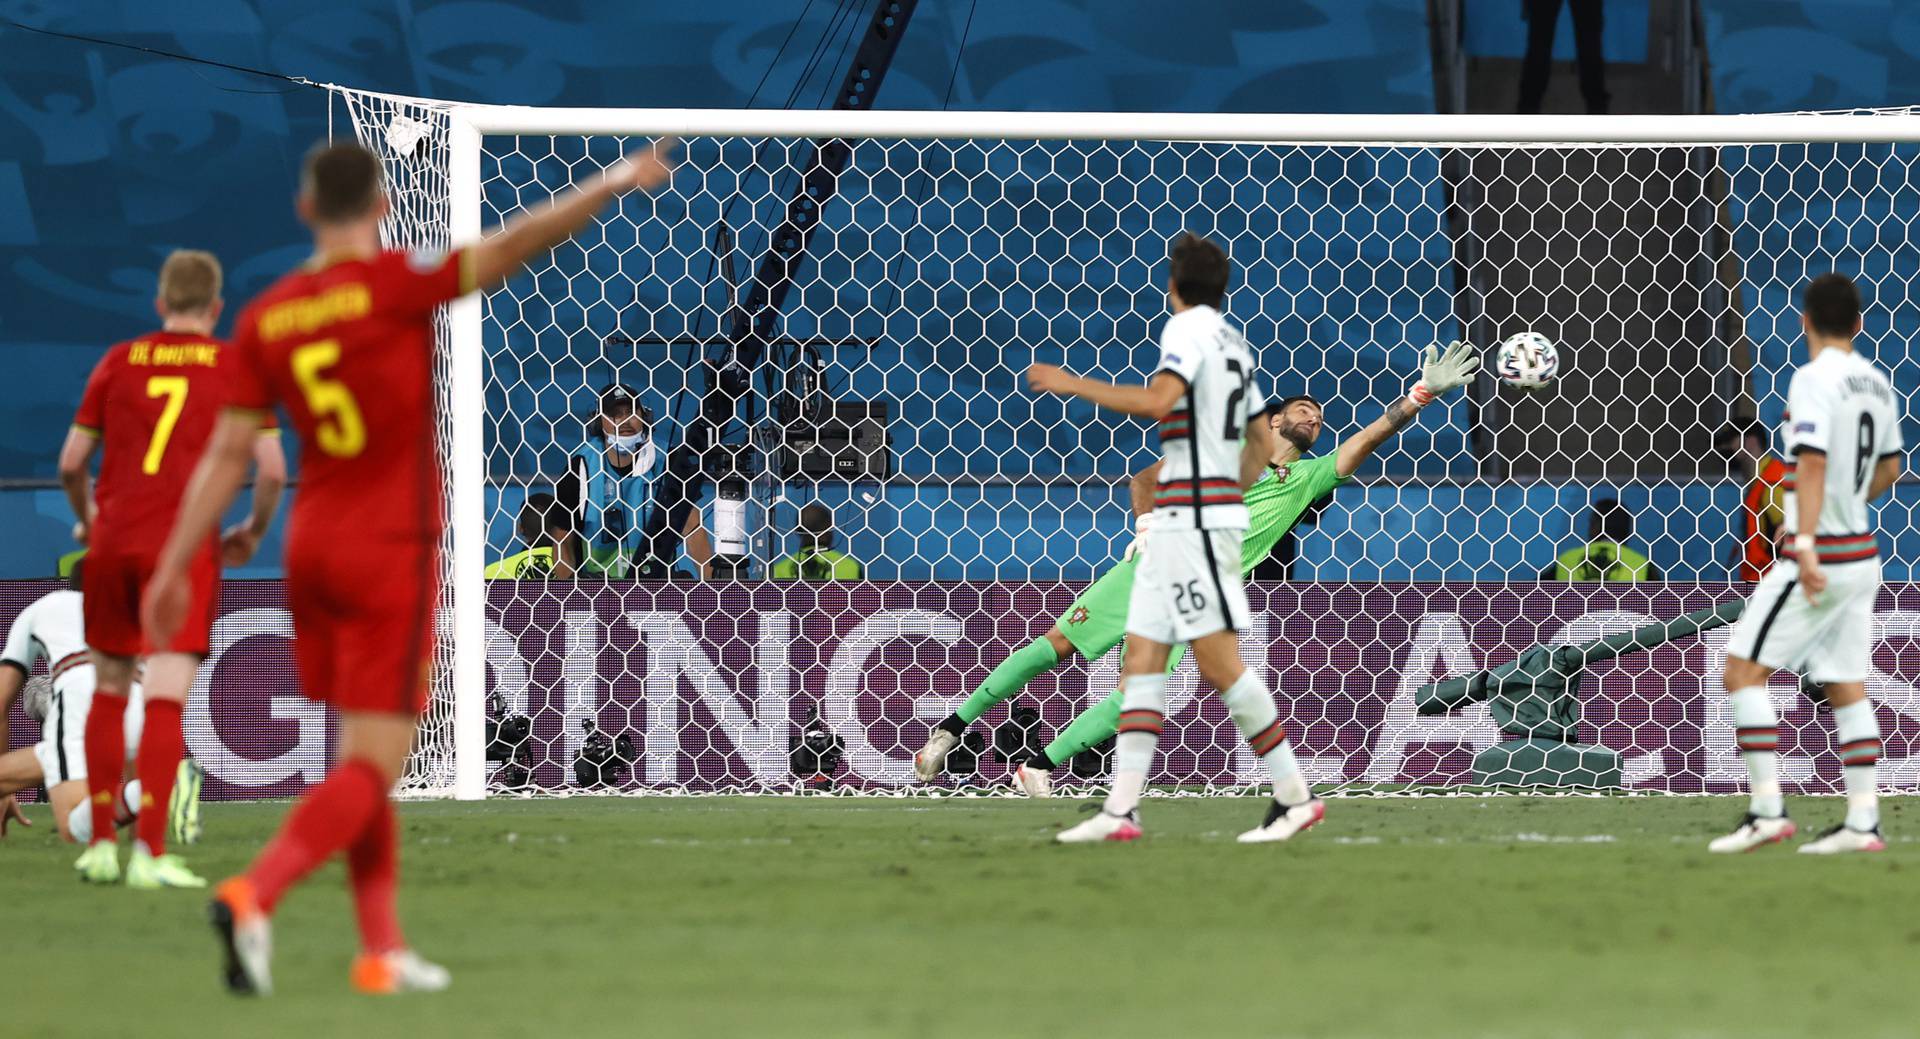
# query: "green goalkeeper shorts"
x,y
1097,621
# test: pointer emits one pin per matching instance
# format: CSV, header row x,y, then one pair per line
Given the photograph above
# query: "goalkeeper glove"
x,y
1138,546
1444,372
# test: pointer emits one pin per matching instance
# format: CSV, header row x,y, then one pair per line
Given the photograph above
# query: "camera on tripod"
x,y
509,742
603,760
815,753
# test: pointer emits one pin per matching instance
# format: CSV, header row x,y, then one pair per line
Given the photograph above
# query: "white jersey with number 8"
x,y
1842,405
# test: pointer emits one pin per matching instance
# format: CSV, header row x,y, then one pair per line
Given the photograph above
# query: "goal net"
x,y
823,327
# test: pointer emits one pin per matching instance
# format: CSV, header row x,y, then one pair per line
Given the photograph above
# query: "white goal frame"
x,y
470,124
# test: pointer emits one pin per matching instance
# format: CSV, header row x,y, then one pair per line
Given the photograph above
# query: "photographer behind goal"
x,y
611,494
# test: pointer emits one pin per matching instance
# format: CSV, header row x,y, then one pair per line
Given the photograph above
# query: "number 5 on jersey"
x,y
340,432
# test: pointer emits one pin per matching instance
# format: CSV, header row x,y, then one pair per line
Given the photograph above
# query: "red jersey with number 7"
x,y
346,346
152,401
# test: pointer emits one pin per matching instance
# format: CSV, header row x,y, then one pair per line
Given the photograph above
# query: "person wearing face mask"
x,y
609,487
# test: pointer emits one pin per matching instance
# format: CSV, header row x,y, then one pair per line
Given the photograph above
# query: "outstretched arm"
x,y
497,256
1442,373
1155,400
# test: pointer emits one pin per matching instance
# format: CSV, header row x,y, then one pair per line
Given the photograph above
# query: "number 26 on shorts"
x,y
1187,597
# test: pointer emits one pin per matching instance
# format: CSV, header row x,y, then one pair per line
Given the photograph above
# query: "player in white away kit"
x,y
1214,442
51,629
1813,610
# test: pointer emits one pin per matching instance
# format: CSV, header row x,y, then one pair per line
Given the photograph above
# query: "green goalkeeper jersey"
x,y
1097,620
1276,500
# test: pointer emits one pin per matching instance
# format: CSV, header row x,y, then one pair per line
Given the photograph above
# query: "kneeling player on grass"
x,y
1813,609
49,629
346,344
1096,622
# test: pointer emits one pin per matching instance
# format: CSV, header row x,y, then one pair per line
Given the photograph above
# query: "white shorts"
x,y
62,750
1187,585
1828,642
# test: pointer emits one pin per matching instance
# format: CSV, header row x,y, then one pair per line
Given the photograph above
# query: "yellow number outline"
x,y
340,431
174,388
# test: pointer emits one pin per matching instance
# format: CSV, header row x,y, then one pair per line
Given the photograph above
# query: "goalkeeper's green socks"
x,y
1093,726
1010,677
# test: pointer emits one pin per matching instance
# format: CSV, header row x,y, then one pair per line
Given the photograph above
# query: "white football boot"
x,y
1286,821
1102,826
1754,831
246,936
1843,839
402,970
933,757
1033,782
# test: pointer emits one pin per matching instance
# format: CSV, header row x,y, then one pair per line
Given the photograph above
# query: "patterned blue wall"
x,y
109,157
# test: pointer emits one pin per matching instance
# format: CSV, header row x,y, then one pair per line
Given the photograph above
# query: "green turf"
x,y
1524,917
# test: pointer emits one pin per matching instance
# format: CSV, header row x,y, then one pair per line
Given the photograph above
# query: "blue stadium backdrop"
x,y
110,156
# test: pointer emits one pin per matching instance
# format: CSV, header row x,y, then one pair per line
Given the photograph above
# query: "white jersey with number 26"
x,y
1841,404
1200,442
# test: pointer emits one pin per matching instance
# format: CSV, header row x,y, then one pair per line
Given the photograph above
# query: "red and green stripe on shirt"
x,y
1206,490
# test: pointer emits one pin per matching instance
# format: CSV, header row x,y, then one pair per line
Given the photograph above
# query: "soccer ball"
x,y
1528,360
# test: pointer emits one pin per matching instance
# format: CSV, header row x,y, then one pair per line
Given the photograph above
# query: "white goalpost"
x,y
897,271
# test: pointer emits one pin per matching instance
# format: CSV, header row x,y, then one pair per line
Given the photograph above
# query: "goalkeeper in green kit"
x,y
1097,620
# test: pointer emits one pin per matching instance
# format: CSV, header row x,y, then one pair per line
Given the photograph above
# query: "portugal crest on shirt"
x,y
1079,616
1280,474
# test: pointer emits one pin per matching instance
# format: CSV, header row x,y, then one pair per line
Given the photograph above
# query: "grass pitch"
x,y
1522,917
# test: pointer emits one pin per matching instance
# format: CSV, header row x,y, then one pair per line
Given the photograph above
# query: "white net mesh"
x,y
886,386
410,137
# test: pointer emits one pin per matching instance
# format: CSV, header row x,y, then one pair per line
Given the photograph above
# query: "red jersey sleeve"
x,y
92,414
247,385
418,281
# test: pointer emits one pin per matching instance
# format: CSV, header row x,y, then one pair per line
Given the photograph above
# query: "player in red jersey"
x,y
151,405
346,345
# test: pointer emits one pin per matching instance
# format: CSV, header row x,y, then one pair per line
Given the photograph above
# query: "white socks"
x,y
1143,706
1251,707
1757,731
1859,737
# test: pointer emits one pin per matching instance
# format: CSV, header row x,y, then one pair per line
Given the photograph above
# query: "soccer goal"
x,y
829,314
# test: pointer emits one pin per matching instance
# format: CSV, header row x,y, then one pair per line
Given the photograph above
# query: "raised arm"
x,y
1442,373
1155,400
534,232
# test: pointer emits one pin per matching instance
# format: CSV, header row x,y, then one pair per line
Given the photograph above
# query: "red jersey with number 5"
x,y
346,345
152,401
